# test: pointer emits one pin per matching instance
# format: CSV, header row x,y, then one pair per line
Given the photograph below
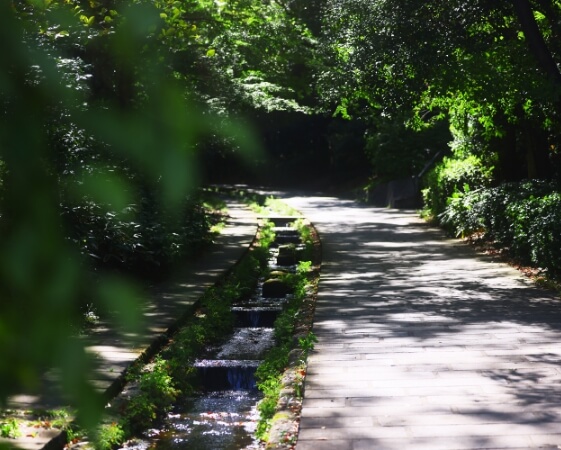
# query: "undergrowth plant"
x,y
155,396
10,428
266,234
453,177
523,218
307,238
270,205
109,436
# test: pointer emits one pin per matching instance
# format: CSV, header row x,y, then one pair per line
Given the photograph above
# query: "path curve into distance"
x,y
424,344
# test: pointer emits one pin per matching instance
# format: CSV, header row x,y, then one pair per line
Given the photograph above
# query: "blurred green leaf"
x,y
82,393
124,301
106,189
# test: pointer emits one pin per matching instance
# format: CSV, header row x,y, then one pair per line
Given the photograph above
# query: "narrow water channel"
x,y
224,416
223,420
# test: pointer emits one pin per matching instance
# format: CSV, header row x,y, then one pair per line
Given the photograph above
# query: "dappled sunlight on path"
x,y
422,343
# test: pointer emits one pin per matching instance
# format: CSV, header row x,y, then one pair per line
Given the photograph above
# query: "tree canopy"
x,y
489,68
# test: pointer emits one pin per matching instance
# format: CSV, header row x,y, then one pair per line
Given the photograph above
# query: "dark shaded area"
x,y
402,193
300,150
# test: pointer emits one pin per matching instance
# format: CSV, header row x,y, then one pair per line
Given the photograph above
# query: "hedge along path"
x,y
166,308
422,343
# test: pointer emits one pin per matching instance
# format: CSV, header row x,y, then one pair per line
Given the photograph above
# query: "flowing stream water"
x,y
225,416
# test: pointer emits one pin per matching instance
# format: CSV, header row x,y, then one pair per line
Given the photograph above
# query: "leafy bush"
x,y
270,385
524,218
451,177
157,392
143,239
109,436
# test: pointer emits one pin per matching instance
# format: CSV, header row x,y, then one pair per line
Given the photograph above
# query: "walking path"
x,y
165,306
422,343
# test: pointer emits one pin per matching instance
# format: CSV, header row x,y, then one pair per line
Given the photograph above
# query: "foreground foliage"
x,y
99,140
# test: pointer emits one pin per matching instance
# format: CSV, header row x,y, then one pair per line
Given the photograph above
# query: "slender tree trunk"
x,y
537,151
536,42
509,164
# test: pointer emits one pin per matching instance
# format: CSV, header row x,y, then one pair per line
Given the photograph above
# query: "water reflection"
x,y
223,420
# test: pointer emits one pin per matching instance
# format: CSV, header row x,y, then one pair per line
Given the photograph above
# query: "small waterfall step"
x,y
224,375
261,302
257,316
285,236
279,221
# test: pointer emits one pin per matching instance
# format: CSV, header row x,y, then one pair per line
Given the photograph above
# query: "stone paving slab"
x,y
422,343
113,352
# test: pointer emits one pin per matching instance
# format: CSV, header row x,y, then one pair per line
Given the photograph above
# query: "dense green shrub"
x,y
545,233
524,218
451,177
143,239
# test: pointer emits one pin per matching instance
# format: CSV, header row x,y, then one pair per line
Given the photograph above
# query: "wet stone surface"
x,y
275,288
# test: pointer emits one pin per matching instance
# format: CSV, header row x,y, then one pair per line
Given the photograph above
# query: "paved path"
x,y
165,306
422,343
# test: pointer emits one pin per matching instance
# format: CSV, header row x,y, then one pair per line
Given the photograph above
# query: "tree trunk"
x,y
536,42
537,152
510,168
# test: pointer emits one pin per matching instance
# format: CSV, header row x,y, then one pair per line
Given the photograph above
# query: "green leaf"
x,y
210,52
89,21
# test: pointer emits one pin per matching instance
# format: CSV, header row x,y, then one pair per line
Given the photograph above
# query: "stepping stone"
x,y
275,288
287,255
